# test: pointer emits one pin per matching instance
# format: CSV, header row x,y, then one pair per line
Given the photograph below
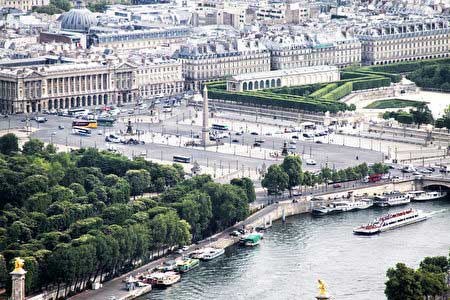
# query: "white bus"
x,y
81,131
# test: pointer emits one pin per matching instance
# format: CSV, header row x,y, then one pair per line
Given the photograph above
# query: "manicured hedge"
x,y
325,90
277,101
300,90
406,67
339,92
371,83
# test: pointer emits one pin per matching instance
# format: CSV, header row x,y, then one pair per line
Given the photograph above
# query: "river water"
x,y
293,255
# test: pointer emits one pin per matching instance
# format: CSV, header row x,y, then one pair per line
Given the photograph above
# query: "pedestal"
x,y
323,297
18,284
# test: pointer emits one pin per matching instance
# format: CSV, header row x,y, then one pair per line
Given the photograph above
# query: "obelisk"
x,y
18,280
205,127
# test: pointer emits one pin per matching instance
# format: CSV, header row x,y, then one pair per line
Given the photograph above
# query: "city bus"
x,y
182,159
220,127
78,112
85,123
107,122
81,131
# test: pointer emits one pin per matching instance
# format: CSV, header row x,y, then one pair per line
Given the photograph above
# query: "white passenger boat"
x,y
212,253
391,199
342,206
164,279
432,195
392,221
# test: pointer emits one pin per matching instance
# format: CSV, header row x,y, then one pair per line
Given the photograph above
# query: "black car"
x,y
256,144
235,141
254,133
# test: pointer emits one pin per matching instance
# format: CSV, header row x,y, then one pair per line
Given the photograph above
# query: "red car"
x,y
337,185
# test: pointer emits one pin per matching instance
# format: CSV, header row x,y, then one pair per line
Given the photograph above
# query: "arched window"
x,y
244,86
267,83
256,85
278,82
250,86
261,84
272,84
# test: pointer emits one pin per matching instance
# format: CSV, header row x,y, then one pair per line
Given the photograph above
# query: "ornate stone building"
x,y
215,60
390,42
140,39
23,4
159,77
64,86
280,78
296,51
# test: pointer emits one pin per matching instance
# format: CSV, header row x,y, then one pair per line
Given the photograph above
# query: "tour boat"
x,y
164,279
391,199
432,195
212,253
342,206
392,221
187,264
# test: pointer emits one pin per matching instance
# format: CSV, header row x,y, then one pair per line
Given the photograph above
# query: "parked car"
x,y
254,133
292,142
295,137
318,142
256,144
337,185
292,147
61,127
235,233
235,140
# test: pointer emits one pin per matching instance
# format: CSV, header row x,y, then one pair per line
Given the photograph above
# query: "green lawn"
x,y
392,103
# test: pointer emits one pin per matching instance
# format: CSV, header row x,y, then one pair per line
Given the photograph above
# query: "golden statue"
x,y
322,288
18,264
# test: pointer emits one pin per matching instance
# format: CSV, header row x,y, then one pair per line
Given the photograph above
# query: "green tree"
x,y
422,114
139,181
9,143
432,284
64,5
403,283
33,147
292,166
276,180
247,184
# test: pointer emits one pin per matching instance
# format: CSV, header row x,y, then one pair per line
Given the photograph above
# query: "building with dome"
x,y
78,19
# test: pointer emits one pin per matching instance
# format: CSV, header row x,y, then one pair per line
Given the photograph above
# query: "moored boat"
x,y
187,264
252,240
391,199
431,195
169,265
391,221
342,206
164,279
212,253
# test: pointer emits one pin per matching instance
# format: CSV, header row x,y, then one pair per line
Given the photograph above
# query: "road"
x,y
337,156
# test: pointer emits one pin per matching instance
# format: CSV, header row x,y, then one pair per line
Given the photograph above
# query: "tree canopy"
x,y
71,218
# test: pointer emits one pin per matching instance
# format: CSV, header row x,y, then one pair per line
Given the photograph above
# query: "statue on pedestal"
x,y
18,280
323,294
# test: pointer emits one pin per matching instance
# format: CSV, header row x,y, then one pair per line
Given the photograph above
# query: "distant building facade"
x,y
24,5
287,53
281,78
27,89
216,60
140,39
393,42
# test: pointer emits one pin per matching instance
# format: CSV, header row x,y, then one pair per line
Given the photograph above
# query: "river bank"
x,y
276,211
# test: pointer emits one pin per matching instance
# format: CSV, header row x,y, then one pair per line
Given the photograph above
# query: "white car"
x,y
311,162
184,248
167,109
292,147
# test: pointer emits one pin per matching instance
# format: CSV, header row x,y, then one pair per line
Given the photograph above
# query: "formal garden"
x,y
322,97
